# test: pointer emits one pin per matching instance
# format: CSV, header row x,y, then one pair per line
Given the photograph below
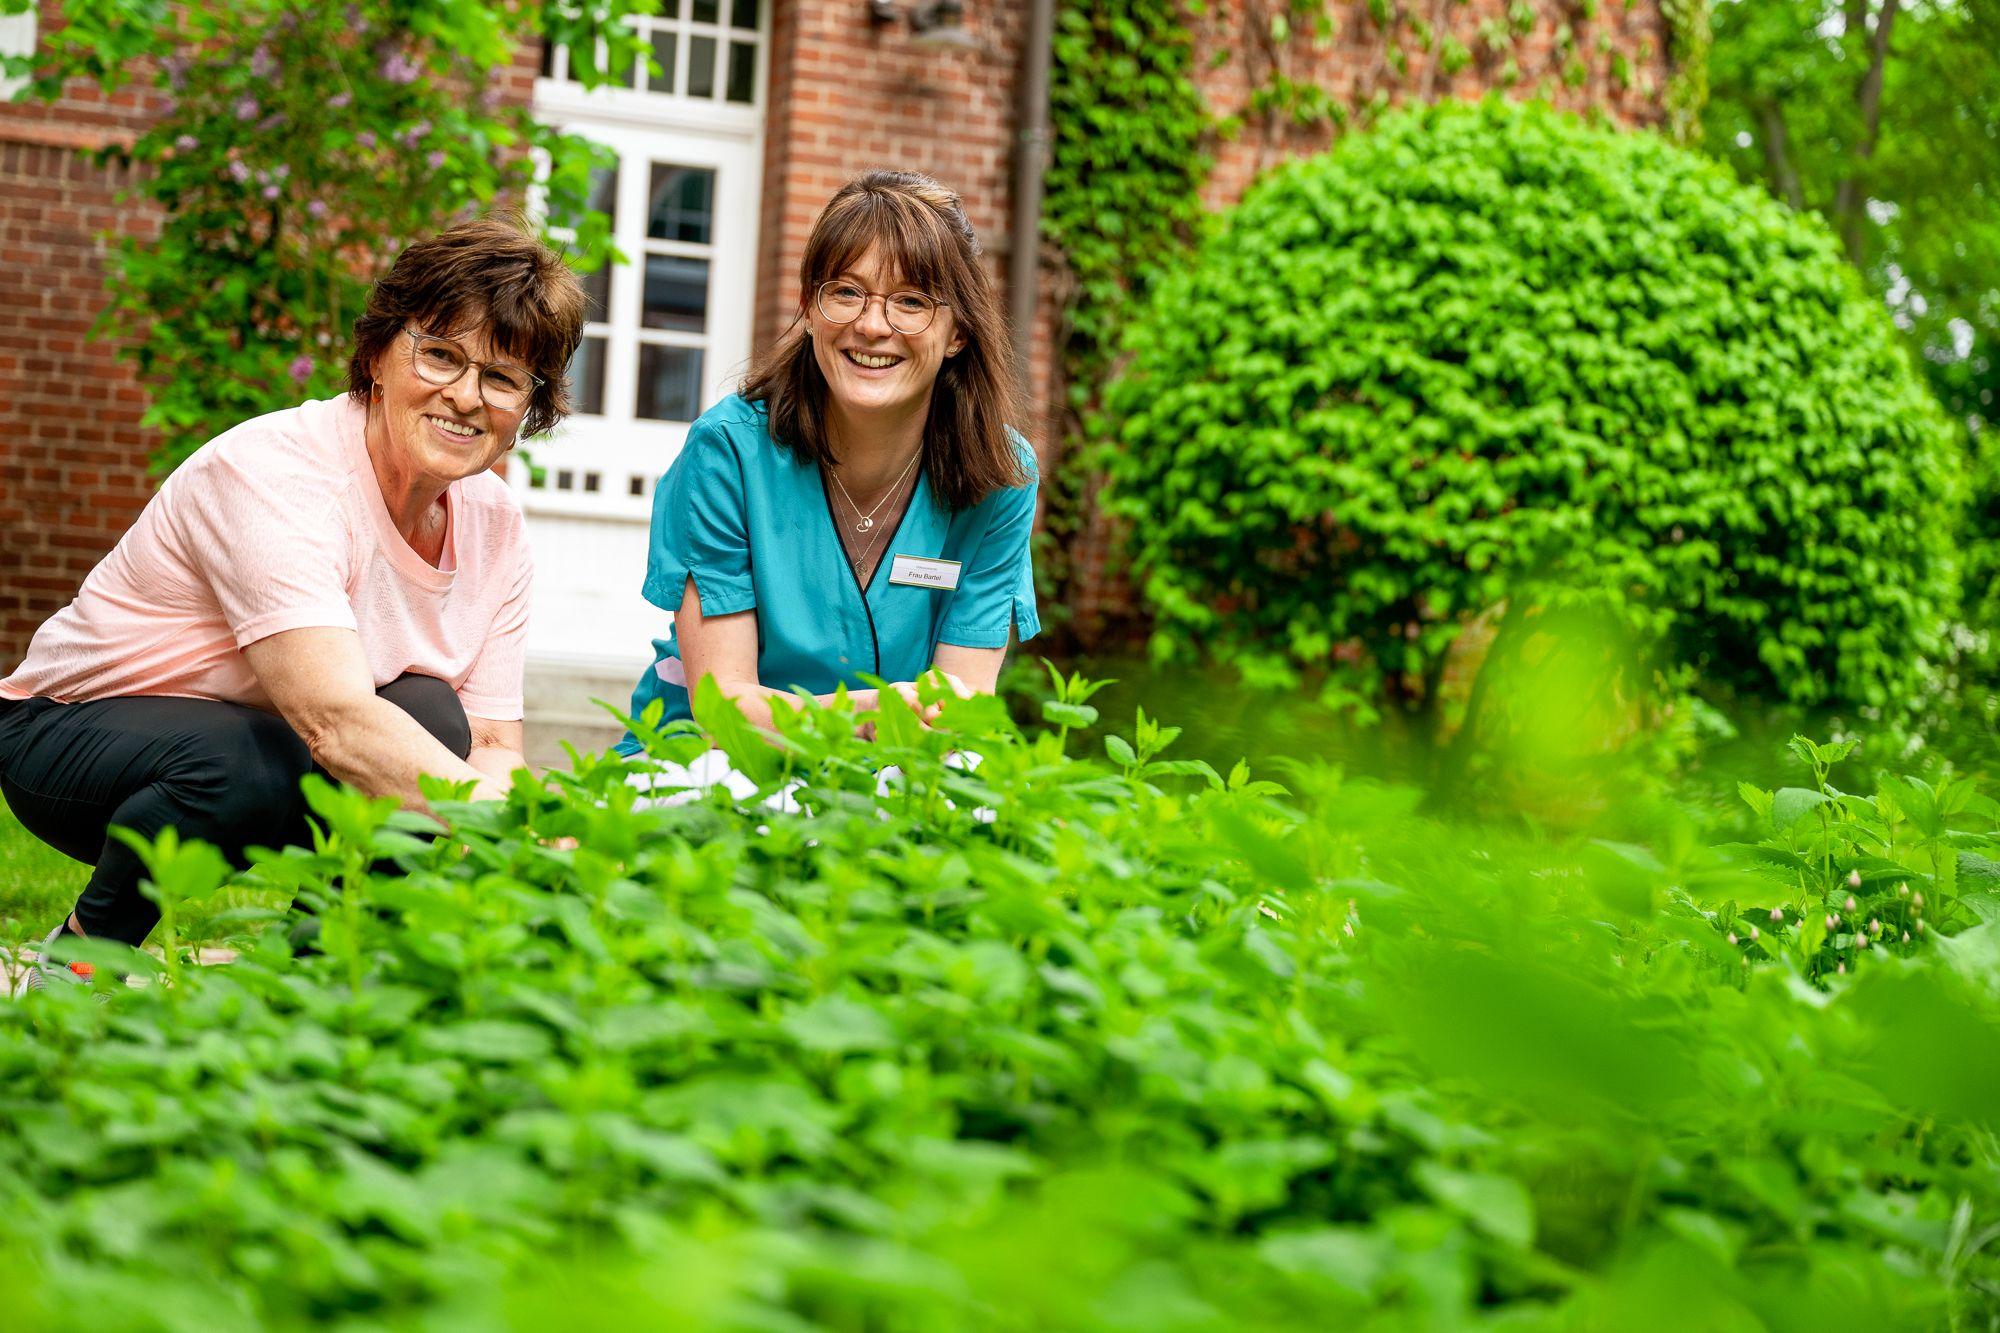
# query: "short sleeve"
x,y
701,529
493,688
996,591
269,543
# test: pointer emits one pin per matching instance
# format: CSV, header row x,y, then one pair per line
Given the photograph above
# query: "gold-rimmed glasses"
x,y
440,361
908,313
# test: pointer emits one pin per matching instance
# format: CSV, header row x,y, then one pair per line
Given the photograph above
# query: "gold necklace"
x,y
867,520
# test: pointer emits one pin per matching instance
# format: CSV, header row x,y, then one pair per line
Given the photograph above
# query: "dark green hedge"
x,y
1488,350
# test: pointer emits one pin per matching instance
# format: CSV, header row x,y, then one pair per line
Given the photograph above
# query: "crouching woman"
x,y
341,586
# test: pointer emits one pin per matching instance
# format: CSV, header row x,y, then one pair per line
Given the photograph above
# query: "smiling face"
x,y
441,433
870,368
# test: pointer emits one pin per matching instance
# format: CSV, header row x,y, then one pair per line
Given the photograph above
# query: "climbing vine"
x,y
1128,157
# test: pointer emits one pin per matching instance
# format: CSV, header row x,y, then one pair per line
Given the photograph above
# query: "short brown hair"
x,y
925,239
490,271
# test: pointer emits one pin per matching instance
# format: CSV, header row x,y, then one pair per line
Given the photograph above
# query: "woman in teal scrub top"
x,y
861,508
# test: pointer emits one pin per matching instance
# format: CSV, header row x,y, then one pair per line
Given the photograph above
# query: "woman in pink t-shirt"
x,y
340,586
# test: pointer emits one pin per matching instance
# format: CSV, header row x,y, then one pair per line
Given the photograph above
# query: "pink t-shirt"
x,y
279,524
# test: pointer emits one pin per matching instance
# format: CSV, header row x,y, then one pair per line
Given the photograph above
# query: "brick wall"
x,y
72,455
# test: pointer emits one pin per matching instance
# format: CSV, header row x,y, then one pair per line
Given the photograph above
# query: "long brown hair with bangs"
x,y
924,238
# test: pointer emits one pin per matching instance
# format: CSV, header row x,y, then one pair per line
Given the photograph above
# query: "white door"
x,y
669,330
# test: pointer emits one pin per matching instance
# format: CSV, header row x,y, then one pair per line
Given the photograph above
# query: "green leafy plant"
x,y
1862,876
295,148
1187,1052
1489,357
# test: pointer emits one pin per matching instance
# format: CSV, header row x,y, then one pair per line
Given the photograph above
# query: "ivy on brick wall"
x,y
296,148
1122,202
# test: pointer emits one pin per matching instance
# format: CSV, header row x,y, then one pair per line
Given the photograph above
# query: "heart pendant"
x,y
864,525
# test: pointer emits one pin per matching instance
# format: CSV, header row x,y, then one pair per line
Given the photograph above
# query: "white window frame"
x,y
643,127
17,38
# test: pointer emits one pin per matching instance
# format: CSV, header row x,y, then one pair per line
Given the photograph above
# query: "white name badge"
x,y
918,571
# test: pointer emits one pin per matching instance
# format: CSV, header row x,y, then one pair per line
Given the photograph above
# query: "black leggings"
x,y
221,772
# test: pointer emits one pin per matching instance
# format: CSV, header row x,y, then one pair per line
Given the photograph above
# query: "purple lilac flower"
x,y
489,100
436,158
366,138
261,63
187,143
270,192
272,121
395,67
339,101
301,369
317,208
239,173
281,172
247,108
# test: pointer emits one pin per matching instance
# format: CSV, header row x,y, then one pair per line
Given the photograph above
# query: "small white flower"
x,y
1753,932
1854,879
1777,915
1906,937
1917,900
1732,937
1849,904
1902,890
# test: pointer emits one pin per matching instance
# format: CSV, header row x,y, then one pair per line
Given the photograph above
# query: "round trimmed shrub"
x,y
1489,354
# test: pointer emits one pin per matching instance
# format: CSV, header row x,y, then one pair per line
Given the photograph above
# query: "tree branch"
x,y
1849,198
1778,165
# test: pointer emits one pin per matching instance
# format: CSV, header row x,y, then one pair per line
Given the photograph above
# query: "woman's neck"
x,y
875,448
415,502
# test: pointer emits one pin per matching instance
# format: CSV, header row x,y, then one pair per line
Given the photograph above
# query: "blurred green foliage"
x,y
1486,360
1046,1042
297,147
1879,116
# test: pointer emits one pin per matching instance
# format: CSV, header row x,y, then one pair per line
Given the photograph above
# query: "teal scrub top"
x,y
750,522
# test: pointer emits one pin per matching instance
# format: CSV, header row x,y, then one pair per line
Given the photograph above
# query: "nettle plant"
x,y
295,148
1857,876
1490,357
1186,1051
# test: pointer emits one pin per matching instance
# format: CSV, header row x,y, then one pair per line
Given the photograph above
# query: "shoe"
x,y
45,971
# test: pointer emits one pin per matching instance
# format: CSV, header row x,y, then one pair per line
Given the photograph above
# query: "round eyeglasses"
x,y
441,361
841,302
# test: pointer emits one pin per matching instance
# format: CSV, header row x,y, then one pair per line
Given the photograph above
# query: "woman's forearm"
x,y
376,747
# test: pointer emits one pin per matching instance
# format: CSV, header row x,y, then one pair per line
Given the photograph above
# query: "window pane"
x,y
701,67
676,293
742,72
597,294
548,59
743,13
670,9
683,204
705,11
669,383
665,46
586,376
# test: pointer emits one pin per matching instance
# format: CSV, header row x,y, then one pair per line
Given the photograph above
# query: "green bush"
x,y
1489,354
1048,1044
